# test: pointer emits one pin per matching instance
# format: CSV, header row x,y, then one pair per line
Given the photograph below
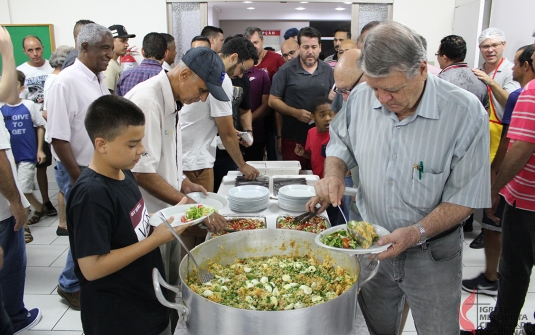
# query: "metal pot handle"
x,y
371,275
157,282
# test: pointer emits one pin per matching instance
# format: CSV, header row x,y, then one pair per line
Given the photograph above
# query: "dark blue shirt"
x,y
510,105
130,78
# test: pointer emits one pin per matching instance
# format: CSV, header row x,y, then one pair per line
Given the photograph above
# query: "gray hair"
x,y
391,46
58,56
91,33
249,32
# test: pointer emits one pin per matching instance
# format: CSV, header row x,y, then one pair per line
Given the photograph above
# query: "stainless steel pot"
x,y
204,317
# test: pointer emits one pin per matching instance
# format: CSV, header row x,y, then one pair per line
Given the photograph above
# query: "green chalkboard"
x,y
45,32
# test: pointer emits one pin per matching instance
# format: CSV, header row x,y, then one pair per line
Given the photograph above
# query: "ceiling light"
x,y
304,2
340,8
300,8
250,8
348,3
247,2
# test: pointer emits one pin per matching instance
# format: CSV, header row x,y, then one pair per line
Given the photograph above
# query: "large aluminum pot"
x,y
204,317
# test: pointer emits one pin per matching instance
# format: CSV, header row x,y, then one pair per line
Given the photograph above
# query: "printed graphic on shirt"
x,y
18,123
35,88
140,220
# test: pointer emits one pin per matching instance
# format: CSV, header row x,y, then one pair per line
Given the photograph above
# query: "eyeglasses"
x,y
243,68
291,53
347,91
491,46
437,54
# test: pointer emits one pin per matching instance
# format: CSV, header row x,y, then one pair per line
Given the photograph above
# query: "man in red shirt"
x,y
516,183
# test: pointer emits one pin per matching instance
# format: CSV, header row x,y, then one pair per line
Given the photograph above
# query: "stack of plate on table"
x,y
295,197
248,198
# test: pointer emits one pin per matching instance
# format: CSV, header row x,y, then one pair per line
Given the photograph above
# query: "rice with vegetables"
x,y
274,283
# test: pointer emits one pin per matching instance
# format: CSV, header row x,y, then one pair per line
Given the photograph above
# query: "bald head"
x,y
345,46
289,49
346,71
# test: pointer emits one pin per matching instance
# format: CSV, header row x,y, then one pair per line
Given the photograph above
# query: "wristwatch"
x,y
423,236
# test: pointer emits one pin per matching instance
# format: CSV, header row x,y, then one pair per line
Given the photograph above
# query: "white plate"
x,y
212,200
177,212
252,192
297,191
373,249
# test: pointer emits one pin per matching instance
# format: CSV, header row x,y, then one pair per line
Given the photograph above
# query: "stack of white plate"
x,y
248,198
295,197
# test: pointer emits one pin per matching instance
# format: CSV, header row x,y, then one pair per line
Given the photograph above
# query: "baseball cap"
x,y
291,33
118,30
207,64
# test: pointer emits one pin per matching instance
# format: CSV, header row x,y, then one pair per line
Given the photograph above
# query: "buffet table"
x,y
273,211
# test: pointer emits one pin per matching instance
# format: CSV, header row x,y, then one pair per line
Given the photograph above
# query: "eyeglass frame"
x,y
492,46
344,91
289,53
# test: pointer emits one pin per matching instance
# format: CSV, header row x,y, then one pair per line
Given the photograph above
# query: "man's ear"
x,y
100,145
143,52
185,74
84,46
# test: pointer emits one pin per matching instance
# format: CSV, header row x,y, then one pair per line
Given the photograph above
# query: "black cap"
x,y
207,64
291,33
119,31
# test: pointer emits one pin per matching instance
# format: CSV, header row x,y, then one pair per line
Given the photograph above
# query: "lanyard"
x,y
453,66
492,108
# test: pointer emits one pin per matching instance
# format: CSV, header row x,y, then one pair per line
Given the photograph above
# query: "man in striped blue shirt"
x,y
422,147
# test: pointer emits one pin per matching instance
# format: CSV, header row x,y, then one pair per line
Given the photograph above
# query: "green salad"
x,y
339,239
196,212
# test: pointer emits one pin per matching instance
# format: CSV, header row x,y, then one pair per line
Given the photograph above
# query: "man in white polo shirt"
x,y
70,95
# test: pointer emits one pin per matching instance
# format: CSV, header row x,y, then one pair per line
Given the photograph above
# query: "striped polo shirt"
x,y
520,191
448,134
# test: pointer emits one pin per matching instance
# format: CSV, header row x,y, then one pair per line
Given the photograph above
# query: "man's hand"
x,y
330,189
481,75
303,115
215,223
313,202
41,157
188,187
20,213
6,47
401,239
249,172
491,211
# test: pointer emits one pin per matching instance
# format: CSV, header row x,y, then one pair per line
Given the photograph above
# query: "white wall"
x,y
213,16
515,18
138,17
433,19
238,27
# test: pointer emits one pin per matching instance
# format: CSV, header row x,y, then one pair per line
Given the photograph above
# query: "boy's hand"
x,y
164,235
299,150
41,157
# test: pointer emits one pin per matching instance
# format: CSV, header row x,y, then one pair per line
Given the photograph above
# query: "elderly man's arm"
x,y
159,188
227,132
64,151
8,87
8,188
280,106
445,216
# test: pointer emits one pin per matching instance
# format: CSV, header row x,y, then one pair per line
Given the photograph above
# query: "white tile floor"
x,y
47,254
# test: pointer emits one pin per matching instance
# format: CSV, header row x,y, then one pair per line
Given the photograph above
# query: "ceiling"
x,y
233,10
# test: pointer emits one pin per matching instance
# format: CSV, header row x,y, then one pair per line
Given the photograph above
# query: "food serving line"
x,y
199,315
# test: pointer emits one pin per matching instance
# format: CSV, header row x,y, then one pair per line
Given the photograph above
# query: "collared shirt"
x,y
5,211
298,89
166,66
520,191
461,75
199,129
162,141
74,89
130,78
504,78
112,74
448,134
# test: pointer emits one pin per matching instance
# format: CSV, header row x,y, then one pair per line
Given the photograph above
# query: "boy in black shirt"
x,y
109,231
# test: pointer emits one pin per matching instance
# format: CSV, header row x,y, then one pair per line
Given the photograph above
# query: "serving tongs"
x,y
204,275
305,216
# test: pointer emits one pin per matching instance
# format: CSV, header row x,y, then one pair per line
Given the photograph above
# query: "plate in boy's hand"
x,y
213,200
181,214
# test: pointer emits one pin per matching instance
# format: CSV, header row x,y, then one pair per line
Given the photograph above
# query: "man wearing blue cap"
x,y
159,171
291,33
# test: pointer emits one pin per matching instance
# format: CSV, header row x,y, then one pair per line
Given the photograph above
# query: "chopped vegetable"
x,y
242,224
315,225
196,212
342,239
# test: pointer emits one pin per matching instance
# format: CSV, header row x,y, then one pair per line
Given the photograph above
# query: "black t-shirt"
x,y
298,89
243,102
104,214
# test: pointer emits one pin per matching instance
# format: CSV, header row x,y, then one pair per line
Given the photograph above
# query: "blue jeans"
x,y
428,277
13,274
67,280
